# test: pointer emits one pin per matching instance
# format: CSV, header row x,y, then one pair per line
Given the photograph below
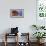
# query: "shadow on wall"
x,y
8,30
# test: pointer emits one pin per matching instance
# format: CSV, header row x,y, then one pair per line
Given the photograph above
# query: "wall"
x,y
24,24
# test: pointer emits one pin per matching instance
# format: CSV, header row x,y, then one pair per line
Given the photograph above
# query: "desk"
x,y
17,43
8,34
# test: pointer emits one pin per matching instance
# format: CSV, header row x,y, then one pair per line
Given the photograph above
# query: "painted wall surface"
x,y
24,24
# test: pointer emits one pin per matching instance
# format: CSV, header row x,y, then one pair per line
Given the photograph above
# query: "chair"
x,y
26,41
8,36
14,32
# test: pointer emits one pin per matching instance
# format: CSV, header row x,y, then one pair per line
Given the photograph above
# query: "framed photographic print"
x,y
17,13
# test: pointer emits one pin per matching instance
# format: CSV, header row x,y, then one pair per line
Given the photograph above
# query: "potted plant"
x,y
42,27
35,26
39,36
38,27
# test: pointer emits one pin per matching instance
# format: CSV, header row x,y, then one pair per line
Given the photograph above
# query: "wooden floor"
x,y
13,44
